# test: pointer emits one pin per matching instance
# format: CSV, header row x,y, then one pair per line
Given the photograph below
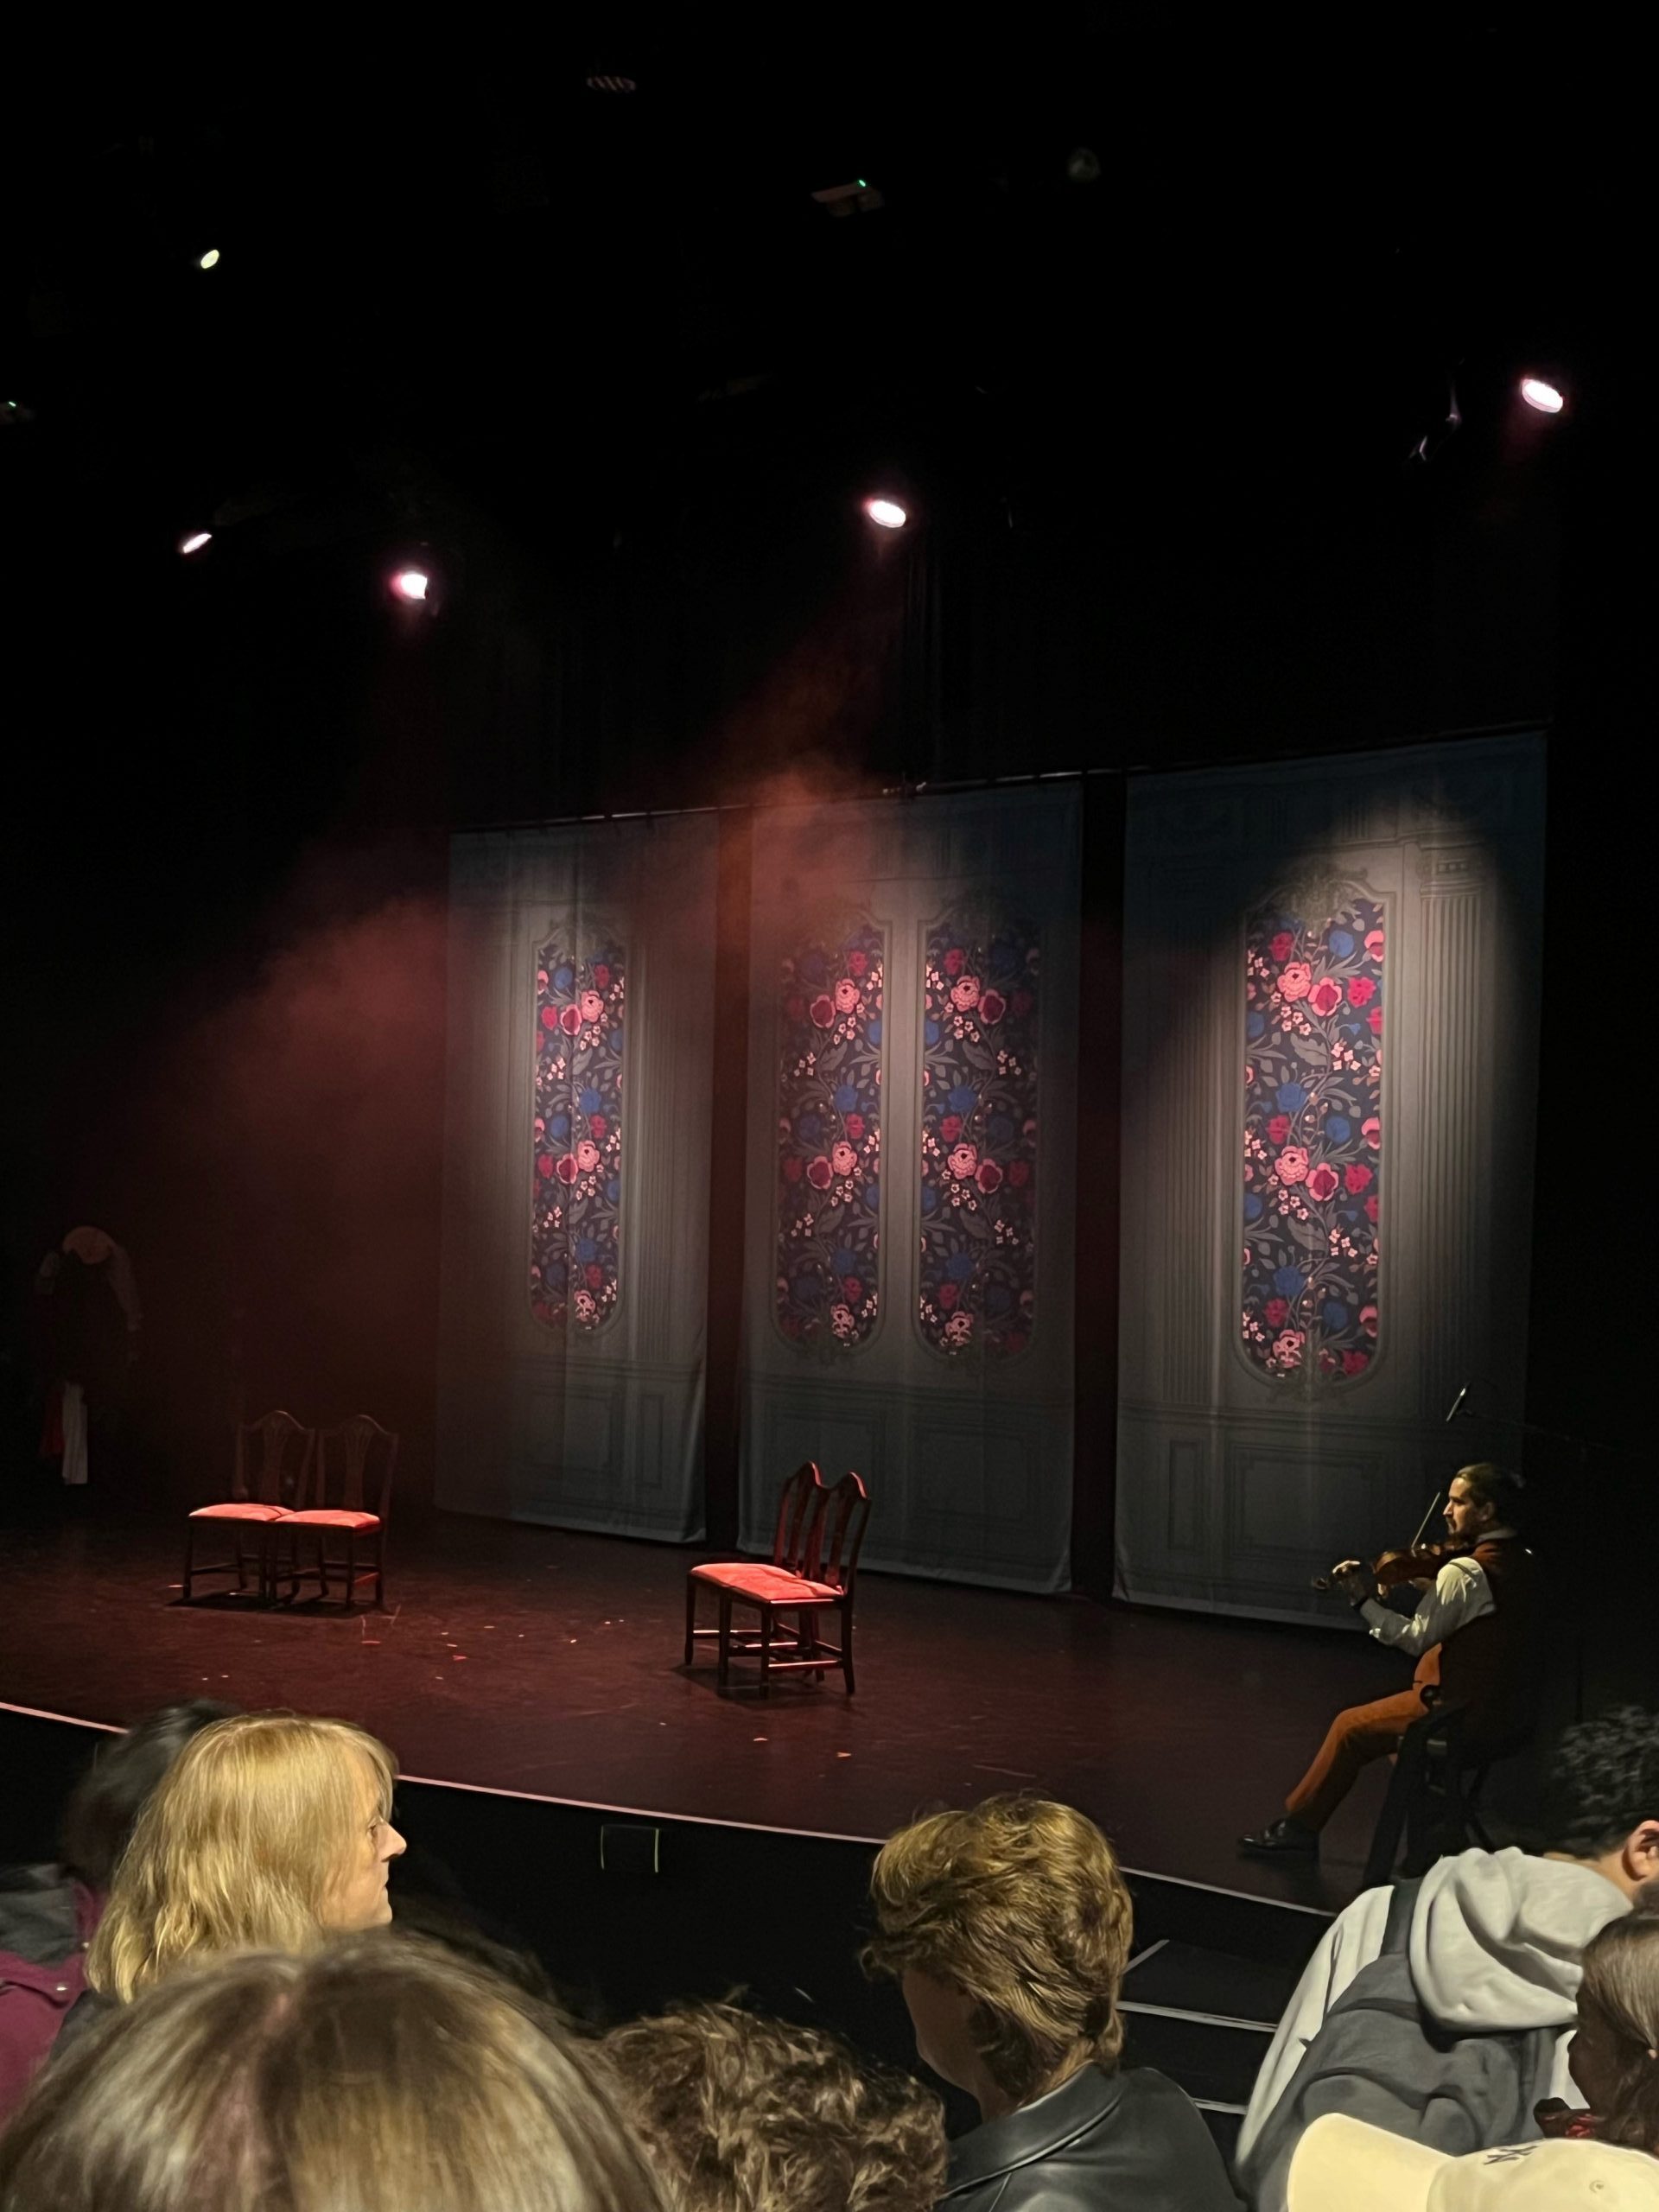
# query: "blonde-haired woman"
x,y
386,2076
1009,1929
271,1831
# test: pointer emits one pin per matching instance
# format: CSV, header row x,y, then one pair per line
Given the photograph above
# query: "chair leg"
x,y
765,1650
847,1646
241,1572
322,1566
724,1673
351,1569
690,1618
190,1557
379,1570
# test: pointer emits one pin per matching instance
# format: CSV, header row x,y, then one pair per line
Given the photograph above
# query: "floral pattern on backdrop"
x,y
979,1138
1313,1001
828,1287
576,1203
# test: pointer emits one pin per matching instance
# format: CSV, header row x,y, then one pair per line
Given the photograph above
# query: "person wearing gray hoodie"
x,y
1443,2009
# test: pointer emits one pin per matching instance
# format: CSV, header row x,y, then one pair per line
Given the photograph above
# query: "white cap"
x,y
1342,2165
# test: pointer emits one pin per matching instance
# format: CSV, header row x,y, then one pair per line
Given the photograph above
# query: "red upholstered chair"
x,y
356,1461
814,1570
273,1459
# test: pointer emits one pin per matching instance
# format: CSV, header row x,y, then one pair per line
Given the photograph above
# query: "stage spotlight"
x,y
196,540
888,513
210,259
1547,398
411,583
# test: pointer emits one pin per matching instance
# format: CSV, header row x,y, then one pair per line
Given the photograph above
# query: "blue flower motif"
x,y
930,1199
1252,1206
586,1250
1000,1129
1004,959
1289,1282
962,1099
931,1032
809,1129
846,1098
806,1287
873,1029
613,1190
1339,1128
872,1194
959,1265
559,1126
844,1260
590,1102
614,1040
812,969
553,1275
563,976
996,1298
1335,1315
1341,943
1254,1026
1292,1097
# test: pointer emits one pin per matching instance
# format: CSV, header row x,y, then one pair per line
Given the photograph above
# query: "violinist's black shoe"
x,y
1284,1839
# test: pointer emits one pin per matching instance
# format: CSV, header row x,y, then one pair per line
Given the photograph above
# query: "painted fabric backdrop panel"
x,y
1331,984
909,1263
576,1176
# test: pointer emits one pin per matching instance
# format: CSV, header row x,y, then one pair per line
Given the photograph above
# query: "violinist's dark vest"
x,y
1492,1666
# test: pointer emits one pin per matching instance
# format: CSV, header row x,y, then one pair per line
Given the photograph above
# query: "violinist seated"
x,y
1470,1633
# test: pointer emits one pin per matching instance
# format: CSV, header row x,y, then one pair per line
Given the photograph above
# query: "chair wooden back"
x,y
795,1544
273,1458
356,1461
843,1514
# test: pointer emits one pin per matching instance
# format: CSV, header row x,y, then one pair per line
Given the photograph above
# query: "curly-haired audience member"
x,y
384,2077
743,2113
1008,1931
1615,2054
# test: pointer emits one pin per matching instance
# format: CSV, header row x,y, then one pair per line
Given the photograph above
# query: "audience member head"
x,y
1601,1797
384,2076
106,1801
746,2115
1615,2056
1009,1929
271,1830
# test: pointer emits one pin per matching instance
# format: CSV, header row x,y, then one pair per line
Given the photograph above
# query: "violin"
x,y
1416,1561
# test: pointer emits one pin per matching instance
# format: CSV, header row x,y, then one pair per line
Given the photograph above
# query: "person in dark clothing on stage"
x,y
1009,1929
1473,1634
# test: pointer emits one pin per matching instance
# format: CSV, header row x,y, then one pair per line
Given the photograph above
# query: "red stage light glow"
x,y
1546,397
887,512
411,583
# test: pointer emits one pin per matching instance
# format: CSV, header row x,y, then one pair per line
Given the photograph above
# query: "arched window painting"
x,y
576,1201
979,1138
829,1139
1314,1157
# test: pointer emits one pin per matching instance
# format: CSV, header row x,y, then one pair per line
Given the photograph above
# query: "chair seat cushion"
x,y
238,1512
330,1517
745,1579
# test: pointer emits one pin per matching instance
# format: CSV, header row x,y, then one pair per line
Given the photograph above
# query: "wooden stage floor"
x,y
536,1661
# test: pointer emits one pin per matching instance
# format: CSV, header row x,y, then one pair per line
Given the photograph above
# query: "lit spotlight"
x,y
196,540
210,259
1547,398
886,512
411,583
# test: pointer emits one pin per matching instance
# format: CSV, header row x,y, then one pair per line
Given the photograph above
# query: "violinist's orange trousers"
x,y
1364,1733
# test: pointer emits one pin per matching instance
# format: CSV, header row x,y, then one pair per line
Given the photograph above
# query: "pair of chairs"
x,y
295,1486
814,1571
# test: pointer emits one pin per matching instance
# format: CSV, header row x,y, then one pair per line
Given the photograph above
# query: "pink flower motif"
x,y
1296,981
1278,1128
1371,1129
1374,943
963,1161
992,1007
550,1017
1018,1173
1357,1179
1324,997
595,1276
1355,1363
1288,1347
1275,1313
602,976
843,1157
857,962
1322,1184
1292,1164
567,1170
959,1328
1022,1003
592,1006
852,1290
585,1306
569,1021
1370,1212
1283,946
1375,1019
597,1126
988,1176
947,1294
1368,1320
846,995
949,1129
794,1008
823,1010
964,994
793,1168
841,1321
854,1126
587,1156
544,1165
953,961
819,1174
1361,990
